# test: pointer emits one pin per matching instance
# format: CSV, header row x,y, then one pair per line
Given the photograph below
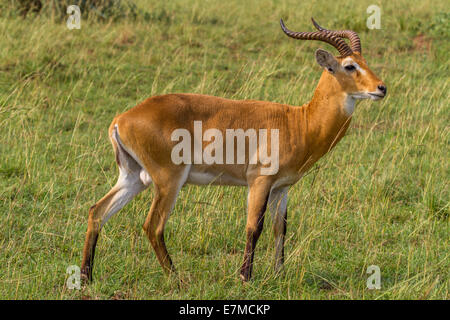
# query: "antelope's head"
x,y
349,69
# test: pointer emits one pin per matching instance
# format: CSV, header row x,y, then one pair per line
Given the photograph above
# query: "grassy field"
x,y
380,198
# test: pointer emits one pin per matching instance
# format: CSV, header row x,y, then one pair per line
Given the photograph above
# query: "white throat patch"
x,y
349,105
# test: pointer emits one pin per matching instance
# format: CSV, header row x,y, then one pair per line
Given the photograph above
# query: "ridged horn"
x,y
355,42
324,36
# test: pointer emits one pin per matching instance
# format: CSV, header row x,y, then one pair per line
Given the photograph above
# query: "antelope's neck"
x,y
328,116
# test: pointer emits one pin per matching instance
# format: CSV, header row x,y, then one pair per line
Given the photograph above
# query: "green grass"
x,y
381,197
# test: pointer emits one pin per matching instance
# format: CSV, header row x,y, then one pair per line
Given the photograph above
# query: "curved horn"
x,y
327,37
355,42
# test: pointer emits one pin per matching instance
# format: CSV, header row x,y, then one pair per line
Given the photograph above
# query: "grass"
x,y
380,198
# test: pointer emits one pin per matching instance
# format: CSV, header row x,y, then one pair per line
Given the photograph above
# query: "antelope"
x,y
142,141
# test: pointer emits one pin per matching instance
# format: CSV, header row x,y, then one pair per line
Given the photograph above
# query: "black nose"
x,y
382,88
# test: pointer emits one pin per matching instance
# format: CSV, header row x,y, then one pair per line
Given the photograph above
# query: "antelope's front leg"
x,y
278,209
257,202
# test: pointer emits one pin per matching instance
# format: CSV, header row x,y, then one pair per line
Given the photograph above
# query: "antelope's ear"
x,y
327,60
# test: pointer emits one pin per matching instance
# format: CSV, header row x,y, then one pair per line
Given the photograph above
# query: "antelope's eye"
x,y
350,67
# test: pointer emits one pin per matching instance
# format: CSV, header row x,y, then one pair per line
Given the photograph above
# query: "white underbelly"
x,y
206,178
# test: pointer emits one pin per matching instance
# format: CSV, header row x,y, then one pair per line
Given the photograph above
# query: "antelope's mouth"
x,y
376,96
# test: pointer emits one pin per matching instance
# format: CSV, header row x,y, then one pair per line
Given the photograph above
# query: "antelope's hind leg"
x,y
167,185
132,180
